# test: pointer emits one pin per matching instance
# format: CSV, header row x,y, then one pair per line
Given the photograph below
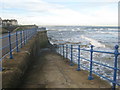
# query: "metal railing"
x,y
65,49
14,41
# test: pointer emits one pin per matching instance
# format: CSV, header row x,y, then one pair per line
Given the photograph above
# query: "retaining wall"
x,y
14,69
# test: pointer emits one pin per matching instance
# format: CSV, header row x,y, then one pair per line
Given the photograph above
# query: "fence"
x,y
65,49
14,41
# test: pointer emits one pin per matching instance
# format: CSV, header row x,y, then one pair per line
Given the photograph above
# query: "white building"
x,y
8,22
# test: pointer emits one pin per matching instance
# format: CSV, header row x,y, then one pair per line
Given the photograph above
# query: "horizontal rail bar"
x,y
84,67
103,76
84,59
4,36
4,47
99,63
105,65
93,50
18,36
103,52
92,62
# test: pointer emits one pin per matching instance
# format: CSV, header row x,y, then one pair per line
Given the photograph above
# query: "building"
x,y
8,22
0,21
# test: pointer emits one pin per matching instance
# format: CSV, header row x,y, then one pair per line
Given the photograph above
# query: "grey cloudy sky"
x,y
61,12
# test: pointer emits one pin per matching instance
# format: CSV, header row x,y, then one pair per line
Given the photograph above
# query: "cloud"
x,y
44,12
82,0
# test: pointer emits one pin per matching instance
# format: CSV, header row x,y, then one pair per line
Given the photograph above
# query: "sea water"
x,y
103,39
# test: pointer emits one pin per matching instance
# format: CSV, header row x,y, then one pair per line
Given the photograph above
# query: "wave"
x,y
93,42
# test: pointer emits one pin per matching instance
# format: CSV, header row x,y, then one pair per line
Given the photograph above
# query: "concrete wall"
x,y
15,69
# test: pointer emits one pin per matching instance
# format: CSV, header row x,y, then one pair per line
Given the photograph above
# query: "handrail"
x,y
63,49
93,50
18,38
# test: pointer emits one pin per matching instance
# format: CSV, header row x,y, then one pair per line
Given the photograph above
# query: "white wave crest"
x,y
93,42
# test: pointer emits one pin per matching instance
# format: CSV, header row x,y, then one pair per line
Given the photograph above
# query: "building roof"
x,y
9,20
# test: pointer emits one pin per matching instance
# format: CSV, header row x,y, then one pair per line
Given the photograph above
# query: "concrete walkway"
x,y
52,71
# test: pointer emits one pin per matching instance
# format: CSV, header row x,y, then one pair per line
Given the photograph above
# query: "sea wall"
x,y
14,69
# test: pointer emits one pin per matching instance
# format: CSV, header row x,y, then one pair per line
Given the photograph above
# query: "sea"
x,y
104,38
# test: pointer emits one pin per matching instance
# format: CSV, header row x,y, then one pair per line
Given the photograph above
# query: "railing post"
x,y
116,53
24,36
60,50
33,33
21,38
57,48
63,50
71,61
17,42
28,34
66,51
90,77
10,46
78,69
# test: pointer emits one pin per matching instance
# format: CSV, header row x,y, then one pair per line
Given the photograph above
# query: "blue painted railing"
x,y
14,41
63,49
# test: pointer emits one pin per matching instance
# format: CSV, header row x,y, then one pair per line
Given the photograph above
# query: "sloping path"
x,y
52,71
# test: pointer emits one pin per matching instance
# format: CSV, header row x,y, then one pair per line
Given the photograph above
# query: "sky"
x,y
61,12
